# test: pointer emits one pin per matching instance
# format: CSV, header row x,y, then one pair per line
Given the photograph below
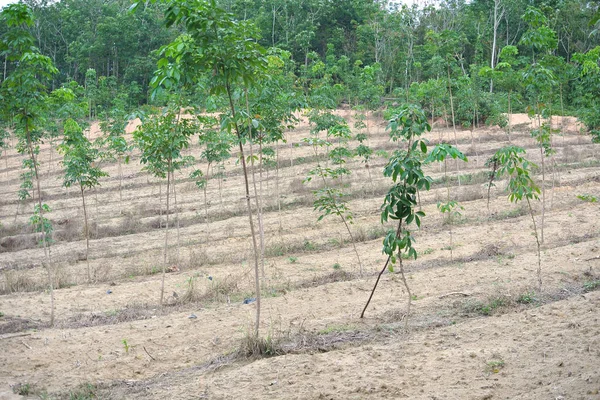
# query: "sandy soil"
x,y
113,334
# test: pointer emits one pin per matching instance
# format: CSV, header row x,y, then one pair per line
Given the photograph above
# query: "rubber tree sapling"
x,y
589,103
218,45
217,146
405,169
113,126
161,139
23,95
79,159
510,161
329,200
540,80
441,153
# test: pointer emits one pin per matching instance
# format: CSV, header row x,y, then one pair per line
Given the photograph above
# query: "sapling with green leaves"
x,y
217,146
161,139
589,102
408,124
365,153
329,200
451,209
4,144
40,223
113,126
505,77
79,159
540,80
24,94
510,161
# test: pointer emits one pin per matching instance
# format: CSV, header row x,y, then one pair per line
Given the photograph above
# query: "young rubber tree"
x,y
161,139
91,91
113,127
405,169
451,209
23,95
365,153
329,200
447,45
217,146
218,45
510,161
79,159
505,78
589,101
540,81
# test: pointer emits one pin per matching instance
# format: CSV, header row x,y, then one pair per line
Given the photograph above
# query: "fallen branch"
x,y
593,258
26,345
144,347
14,335
454,294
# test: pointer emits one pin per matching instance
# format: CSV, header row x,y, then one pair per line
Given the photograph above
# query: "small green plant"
x,y
84,392
337,266
526,298
587,198
591,285
494,366
1,314
492,305
336,329
309,246
41,223
126,345
292,259
428,250
23,389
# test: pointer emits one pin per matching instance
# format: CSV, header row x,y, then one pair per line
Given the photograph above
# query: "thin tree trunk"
x,y
509,115
362,314
539,252
409,294
448,201
165,253
249,206
453,123
120,187
257,194
160,203
277,186
87,237
41,225
206,203
176,216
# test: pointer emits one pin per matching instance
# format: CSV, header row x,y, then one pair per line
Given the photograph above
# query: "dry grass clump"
x,y
220,290
191,295
17,281
15,324
280,343
19,242
252,346
337,275
297,186
68,230
131,313
62,279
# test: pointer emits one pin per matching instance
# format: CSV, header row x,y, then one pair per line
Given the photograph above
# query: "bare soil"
x,y
479,327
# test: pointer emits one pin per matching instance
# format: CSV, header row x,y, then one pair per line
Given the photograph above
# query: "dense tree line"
x,y
406,44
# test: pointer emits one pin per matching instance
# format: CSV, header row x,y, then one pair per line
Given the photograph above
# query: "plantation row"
x,y
256,97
